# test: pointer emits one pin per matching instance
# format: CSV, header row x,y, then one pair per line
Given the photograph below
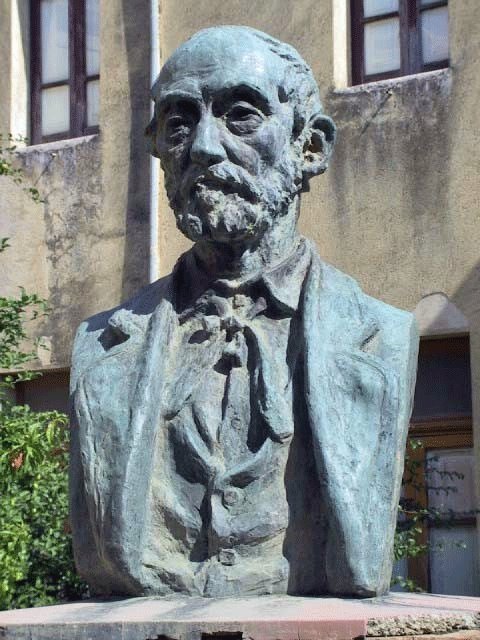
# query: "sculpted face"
x,y
225,137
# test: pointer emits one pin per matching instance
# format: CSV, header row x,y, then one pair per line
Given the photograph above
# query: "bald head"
x,y
239,130
236,52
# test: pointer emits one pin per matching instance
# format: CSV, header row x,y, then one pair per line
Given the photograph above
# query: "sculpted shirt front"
x,y
220,498
236,437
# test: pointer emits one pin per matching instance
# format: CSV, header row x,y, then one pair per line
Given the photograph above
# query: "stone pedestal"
x,y
256,618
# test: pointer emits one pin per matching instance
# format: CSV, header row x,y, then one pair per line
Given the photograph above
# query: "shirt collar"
x,y
283,283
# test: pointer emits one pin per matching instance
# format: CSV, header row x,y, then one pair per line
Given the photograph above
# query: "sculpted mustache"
x,y
229,180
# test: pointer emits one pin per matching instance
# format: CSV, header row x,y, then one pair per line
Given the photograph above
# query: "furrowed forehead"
x,y
216,62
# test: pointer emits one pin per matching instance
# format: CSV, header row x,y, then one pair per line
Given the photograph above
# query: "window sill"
x,y
36,366
58,145
437,77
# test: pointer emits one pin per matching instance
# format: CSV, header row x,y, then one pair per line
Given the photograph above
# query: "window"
x,y
393,38
65,68
442,421
49,392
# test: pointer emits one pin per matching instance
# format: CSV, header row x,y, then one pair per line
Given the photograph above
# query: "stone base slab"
x,y
257,618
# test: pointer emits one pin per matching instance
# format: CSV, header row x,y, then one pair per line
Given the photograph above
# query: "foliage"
x,y
14,313
413,516
36,557
35,545
8,149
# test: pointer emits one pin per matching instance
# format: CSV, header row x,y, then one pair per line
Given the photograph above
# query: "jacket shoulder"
x,y
350,301
361,363
99,333
385,331
399,326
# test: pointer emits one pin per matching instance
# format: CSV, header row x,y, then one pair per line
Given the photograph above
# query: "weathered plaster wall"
x,y
398,208
61,248
14,76
86,247
125,110
5,50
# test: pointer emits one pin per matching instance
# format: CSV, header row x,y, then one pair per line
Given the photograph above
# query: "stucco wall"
x,y
399,206
85,248
5,78
58,248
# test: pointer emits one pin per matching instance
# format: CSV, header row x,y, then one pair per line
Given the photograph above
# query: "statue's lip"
x,y
210,182
209,175
229,184
213,182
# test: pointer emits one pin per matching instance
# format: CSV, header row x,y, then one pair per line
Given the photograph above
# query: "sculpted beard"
x,y
225,202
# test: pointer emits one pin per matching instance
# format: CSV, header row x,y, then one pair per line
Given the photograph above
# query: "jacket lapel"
x,y
119,402
351,400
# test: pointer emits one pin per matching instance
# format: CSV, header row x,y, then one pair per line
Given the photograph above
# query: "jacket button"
x,y
227,557
230,497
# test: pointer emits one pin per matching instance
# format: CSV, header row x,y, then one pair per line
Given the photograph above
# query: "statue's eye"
x,y
177,127
243,118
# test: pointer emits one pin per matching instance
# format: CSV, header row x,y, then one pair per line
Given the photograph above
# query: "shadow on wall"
x,y
136,25
437,315
467,298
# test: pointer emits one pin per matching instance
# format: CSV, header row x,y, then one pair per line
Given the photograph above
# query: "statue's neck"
x,y
243,260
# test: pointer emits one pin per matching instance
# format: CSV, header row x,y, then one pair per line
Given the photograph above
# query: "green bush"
x,y
414,516
35,543
36,560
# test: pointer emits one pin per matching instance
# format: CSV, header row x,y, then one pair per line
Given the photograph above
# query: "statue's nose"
x,y
206,148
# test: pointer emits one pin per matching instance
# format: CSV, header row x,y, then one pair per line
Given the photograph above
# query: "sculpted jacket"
x,y
311,511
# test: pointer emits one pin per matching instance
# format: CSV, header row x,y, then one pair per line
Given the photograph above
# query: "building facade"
x,y
397,209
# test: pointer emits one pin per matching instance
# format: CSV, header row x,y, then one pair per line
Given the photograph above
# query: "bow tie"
x,y
246,339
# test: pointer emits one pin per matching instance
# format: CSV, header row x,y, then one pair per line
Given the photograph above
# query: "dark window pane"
x,y
450,475
382,46
47,393
378,7
55,110
453,561
54,32
92,26
435,35
443,380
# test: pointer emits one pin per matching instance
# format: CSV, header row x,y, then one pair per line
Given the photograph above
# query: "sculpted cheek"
x,y
270,143
241,152
262,148
174,160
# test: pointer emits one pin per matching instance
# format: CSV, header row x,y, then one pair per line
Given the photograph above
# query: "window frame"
x,y
77,80
409,14
453,431
451,434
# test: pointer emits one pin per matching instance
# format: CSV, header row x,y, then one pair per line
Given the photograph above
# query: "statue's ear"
x,y
318,147
150,134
